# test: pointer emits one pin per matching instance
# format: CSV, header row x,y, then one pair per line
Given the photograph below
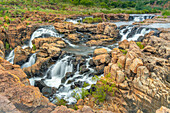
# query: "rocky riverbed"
x,y
45,61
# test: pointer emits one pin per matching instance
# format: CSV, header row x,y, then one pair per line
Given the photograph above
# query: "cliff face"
x,y
14,85
142,75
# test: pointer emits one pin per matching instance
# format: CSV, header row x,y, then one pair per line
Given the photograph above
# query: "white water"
x,y
135,34
43,32
58,71
31,61
135,18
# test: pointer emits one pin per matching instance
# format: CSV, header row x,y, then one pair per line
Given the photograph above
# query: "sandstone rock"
x,y
120,76
40,41
142,71
66,27
136,63
121,61
113,70
94,43
101,59
21,55
163,110
100,51
63,109
80,102
124,44
52,49
2,47
149,49
122,17
2,54
6,106
73,38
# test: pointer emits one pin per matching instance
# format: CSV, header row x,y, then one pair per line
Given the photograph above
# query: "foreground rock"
x,y
15,86
142,76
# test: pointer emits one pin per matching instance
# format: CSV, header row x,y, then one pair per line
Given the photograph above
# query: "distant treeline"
x,y
108,4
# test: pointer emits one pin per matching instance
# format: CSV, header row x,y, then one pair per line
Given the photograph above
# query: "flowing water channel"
x,y
57,74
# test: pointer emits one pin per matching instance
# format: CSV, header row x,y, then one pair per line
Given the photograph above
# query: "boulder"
x,y
100,51
101,59
21,55
124,44
163,110
136,63
73,38
149,49
120,76
94,43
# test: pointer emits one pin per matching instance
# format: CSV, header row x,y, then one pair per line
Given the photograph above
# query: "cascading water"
x,y
140,17
133,32
55,74
31,61
135,18
44,31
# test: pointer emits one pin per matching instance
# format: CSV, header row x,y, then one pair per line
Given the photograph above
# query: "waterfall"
x,y
58,71
31,61
140,17
133,32
10,57
46,31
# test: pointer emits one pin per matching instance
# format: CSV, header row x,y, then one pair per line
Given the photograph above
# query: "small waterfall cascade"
x,y
58,71
56,76
42,32
75,21
140,17
133,32
10,57
31,61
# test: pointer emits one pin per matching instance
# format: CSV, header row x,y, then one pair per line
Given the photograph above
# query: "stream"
x,y
56,73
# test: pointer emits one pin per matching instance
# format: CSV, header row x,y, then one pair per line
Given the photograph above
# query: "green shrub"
x,y
166,13
165,16
87,2
102,90
7,46
119,65
34,47
84,93
141,46
60,102
99,94
92,20
123,51
86,84
1,22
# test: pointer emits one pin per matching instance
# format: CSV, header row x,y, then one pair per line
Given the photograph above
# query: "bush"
x,y
60,102
123,51
166,13
1,22
83,93
104,88
34,47
141,46
6,45
92,20
87,2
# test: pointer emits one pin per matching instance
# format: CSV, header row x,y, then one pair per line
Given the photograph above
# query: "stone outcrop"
x,y
141,75
22,97
114,17
38,42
